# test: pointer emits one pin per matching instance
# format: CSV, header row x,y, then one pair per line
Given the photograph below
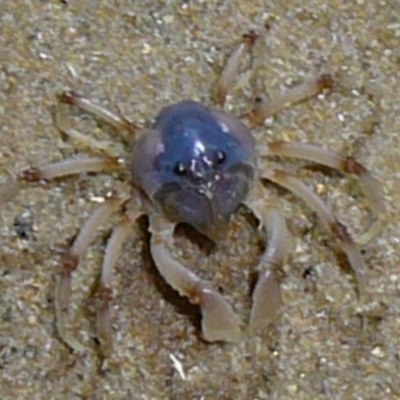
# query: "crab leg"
x,y
338,230
71,262
62,120
113,250
342,164
296,94
231,68
267,298
114,119
219,322
60,169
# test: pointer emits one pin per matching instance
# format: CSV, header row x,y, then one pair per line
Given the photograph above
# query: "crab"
x,y
197,165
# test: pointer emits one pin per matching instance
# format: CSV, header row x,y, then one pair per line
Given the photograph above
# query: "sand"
x,y
137,58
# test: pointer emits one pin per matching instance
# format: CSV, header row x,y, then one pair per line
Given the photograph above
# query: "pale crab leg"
x,y
60,169
113,250
231,68
63,123
267,298
71,261
338,230
114,119
342,164
298,93
219,322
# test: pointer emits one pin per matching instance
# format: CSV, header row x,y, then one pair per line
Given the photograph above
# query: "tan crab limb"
x,y
114,119
296,94
63,121
113,250
338,230
219,322
231,68
71,261
340,163
267,298
60,169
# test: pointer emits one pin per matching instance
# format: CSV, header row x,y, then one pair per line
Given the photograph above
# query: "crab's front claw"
x,y
219,322
267,302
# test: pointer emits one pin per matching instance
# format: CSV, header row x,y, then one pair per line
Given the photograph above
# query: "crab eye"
x,y
221,157
179,169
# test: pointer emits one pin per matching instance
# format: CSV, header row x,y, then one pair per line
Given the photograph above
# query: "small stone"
x,y
292,389
378,352
147,49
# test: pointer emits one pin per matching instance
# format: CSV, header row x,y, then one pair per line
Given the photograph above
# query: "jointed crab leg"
x,y
63,122
71,261
340,163
267,292
74,99
219,322
296,94
60,169
113,250
231,68
347,244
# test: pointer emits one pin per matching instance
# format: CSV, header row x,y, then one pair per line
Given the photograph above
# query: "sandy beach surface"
x,y
136,57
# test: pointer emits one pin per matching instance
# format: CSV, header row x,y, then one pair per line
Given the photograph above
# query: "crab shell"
x,y
196,164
